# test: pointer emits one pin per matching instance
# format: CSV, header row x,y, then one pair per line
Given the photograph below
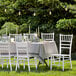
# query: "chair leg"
x,y
36,62
28,64
24,65
16,67
10,64
53,60
70,63
2,63
51,64
2,66
16,64
63,63
7,65
14,60
48,61
10,67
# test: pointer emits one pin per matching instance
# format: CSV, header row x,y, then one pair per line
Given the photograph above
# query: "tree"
x,y
69,6
24,28
8,27
69,25
41,12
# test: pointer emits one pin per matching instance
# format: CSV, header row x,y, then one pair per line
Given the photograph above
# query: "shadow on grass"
x,y
55,68
33,69
41,68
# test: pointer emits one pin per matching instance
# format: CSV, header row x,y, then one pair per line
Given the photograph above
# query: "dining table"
x,y
41,50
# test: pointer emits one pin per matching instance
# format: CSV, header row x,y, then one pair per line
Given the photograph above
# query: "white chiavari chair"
x,y
5,57
13,39
64,46
25,37
31,37
18,38
47,36
4,38
23,56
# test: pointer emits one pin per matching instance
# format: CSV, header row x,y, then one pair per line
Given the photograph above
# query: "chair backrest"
x,y
31,36
22,48
65,43
4,38
16,37
12,37
47,36
4,48
26,37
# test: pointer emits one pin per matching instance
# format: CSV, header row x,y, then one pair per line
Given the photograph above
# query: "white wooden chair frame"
x,y
5,46
65,43
26,57
29,36
13,61
4,38
14,36
47,36
25,37
18,38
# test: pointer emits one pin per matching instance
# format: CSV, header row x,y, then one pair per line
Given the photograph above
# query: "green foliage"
x,y
70,6
33,22
66,24
24,28
2,19
41,8
8,27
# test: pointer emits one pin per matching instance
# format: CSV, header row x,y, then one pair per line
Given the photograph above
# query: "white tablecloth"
x,y
43,49
13,48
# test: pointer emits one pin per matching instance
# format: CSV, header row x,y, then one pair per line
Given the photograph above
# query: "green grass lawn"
x,y
42,71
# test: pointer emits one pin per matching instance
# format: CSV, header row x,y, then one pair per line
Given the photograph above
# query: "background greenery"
x,y
57,16
21,13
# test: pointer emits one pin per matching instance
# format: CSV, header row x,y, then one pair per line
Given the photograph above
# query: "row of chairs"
x,y
25,37
65,43
22,55
65,46
5,54
19,37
